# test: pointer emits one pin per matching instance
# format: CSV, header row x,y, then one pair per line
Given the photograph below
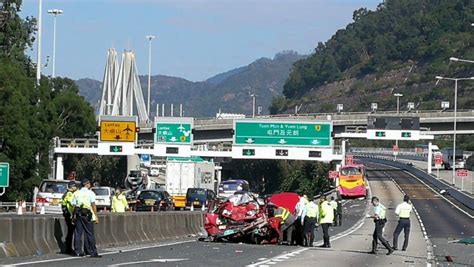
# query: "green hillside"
x,y
399,47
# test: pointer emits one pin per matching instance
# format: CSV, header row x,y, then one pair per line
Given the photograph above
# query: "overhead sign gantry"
x,y
117,135
173,136
393,128
270,139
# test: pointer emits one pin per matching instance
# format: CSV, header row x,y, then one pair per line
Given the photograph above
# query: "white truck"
x,y
183,173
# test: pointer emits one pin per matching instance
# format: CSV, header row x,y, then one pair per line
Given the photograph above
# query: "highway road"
x,y
353,250
188,252
443,223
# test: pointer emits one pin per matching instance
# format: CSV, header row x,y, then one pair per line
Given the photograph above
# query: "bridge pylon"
x,y
122,93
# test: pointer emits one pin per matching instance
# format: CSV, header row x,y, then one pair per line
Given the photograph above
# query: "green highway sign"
x,y
282,133
173,133
4,174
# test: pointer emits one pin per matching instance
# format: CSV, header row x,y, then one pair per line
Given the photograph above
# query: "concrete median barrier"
x,y
45,234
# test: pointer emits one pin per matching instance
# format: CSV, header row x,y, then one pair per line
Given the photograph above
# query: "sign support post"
x,y
430,155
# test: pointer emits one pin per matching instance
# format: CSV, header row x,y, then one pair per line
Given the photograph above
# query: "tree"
x,y
30,114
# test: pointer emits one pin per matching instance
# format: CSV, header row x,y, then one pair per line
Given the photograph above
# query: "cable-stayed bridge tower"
x,y
121,88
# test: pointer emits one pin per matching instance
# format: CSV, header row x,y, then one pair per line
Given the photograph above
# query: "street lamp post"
x,y
150,38
253,104
55,13
455,116
398,95
38,52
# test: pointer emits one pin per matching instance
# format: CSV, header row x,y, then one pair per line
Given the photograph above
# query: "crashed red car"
x,y
245,218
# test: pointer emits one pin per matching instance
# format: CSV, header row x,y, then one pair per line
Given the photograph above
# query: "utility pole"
x,y
38,53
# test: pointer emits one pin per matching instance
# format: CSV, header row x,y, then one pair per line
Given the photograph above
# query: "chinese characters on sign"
x,y
118,131
314,134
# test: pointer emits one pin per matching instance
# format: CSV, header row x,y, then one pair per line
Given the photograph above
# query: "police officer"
x,y
379,220
338,218
334,206
119,201
86,212
403,211
299,224
68,210
326,219
309,218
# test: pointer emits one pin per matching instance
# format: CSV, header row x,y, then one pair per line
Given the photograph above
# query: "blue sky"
x,y
196,39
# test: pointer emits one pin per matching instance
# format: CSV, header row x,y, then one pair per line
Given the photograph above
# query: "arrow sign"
x,y
173,139
315,142
281,152
249,141
282,141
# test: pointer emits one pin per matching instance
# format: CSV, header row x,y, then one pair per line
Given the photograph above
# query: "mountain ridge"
x,y
228,91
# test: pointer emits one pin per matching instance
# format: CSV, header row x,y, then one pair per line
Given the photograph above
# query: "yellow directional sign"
x,y
118,131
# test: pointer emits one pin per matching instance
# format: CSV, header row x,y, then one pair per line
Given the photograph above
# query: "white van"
x,y
103,197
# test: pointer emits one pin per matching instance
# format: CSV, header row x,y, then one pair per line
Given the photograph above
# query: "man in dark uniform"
x,y
86,213
338,219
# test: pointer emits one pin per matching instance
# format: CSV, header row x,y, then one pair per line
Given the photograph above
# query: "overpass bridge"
x,y
432,122
214,137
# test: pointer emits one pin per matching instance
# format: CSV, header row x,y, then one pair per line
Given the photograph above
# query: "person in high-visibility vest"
x,y
68,210
403,211
309,218
326,219
286,225
119,201
379,220
85,212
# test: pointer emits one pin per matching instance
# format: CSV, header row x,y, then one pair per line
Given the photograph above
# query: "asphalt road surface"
x,y
445,220
189,252
353,249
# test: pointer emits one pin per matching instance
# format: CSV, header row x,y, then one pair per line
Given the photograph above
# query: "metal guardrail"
x,y
11,206
76,142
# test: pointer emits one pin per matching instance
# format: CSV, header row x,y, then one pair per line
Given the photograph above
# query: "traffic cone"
x,y
19,209
192,207
203,208
42,211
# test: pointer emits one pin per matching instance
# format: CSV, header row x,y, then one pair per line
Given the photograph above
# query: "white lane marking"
x,y
429,245
437,193
148,261
284,256
105,253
